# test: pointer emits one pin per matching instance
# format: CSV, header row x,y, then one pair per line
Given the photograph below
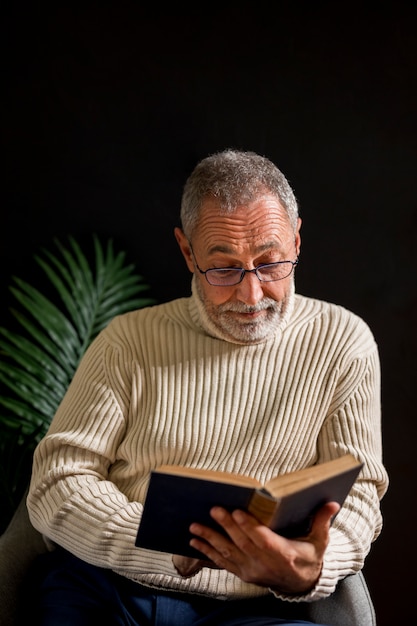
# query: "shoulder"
x,y
132,326
334,323
313,308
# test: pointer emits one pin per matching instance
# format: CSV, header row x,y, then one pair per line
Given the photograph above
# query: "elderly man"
x,y
245,376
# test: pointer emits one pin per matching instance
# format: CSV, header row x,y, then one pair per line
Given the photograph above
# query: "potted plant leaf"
x,y
39,355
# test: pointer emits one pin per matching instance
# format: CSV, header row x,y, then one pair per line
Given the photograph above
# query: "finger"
x,y
323,520
207,538
247,534
238,525
216,546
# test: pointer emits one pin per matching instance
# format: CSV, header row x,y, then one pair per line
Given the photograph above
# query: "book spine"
x,y
263,507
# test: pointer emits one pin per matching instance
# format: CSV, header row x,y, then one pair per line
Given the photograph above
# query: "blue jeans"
x,y
70,592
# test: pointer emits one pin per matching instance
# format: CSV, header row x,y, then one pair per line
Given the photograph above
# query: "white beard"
x,y
217,321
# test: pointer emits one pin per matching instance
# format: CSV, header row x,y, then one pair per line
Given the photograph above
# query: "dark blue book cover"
x,y
287,504
174,502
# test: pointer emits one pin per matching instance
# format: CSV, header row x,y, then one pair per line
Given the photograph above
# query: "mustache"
x,y
240,307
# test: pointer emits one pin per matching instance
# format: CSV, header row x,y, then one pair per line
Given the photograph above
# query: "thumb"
x,y
324,518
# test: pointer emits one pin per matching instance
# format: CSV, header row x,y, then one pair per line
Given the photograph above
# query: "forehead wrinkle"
x,y
229,237
259,227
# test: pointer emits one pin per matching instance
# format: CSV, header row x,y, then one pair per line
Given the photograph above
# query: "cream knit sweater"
x,y
157,386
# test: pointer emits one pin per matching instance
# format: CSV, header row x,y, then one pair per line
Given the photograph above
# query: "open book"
x,y
178,496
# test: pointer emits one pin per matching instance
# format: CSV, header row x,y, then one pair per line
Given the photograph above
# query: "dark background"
x,y
106,108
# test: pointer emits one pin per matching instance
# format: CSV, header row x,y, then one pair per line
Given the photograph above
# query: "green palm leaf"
x,y
38,362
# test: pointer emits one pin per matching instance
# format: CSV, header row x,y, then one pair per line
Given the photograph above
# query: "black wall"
x,y
107,108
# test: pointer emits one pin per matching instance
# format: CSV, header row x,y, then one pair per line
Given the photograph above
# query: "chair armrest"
x,y
350,605
20,544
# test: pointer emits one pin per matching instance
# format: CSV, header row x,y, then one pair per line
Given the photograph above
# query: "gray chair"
x,y
349,605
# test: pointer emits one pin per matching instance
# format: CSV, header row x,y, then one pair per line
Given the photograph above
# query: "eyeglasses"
x,y
229,276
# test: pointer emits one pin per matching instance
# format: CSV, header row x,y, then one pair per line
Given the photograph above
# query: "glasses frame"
x,y
244,271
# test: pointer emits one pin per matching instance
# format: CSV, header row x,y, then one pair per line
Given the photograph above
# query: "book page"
x,y
288,483
216,476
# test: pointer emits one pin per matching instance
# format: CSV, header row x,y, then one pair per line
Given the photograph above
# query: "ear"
x,y
185,248
298,237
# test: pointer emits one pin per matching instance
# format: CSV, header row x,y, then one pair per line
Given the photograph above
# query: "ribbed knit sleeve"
x,y
155,387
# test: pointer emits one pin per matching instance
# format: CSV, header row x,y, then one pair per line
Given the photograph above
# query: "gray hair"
x,y
234,177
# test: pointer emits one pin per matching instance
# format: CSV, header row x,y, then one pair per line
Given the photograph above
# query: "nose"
x,y
250,290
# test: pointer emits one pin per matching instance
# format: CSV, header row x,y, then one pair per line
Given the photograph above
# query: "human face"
x,y
254,234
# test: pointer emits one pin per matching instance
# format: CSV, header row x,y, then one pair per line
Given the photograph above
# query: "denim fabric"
x,y
71,592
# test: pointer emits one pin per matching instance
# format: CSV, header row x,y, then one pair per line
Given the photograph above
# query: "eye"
x,y
222,265
224,272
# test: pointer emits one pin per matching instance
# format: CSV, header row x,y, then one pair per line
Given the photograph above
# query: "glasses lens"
x,y
275,271
228,276
224,276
